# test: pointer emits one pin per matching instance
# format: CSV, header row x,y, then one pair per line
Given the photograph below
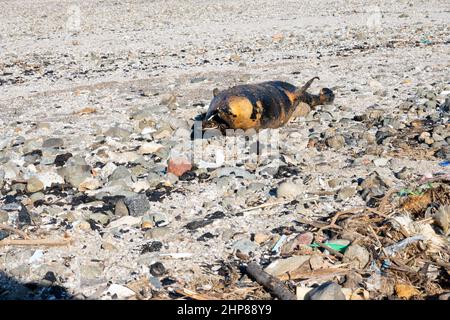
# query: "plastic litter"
x,y
393,249
417,192
386,264
444,163
335,246
276,248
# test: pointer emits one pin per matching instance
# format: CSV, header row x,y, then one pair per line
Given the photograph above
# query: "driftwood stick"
x,y
386,216
438,263
321,273
332,224
193,295
35,242
343,212
334,252
272,284
379,241
264,205
445,177
384,202
16,231
318,225
271,204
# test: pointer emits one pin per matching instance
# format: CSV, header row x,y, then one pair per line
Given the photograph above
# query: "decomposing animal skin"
x,y
259,106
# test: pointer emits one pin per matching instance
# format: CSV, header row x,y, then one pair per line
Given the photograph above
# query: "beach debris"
x,y
269,282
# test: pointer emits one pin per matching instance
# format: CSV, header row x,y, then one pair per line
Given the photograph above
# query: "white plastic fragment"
x,y
37,256
276,248
393,249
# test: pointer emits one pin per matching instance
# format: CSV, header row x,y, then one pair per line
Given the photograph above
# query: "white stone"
x,y
122,292
89,184
141,185
108,169
49,177
282,266
380,162
125,221
147,130
289,190
149,148
123,157
11,171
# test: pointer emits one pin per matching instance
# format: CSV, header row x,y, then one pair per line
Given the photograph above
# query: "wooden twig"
x,y
401,266
378,212
334,252
318,225
439,263
337,215
271,204
295,275
35,242
272,284
192,294
16,231
264,205
18,181
385,200
379,241
445,177
333,221
426,220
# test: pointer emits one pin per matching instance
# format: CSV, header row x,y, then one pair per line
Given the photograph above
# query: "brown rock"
x,y
278,37
261,237
302,110
357,255
34,185
121,209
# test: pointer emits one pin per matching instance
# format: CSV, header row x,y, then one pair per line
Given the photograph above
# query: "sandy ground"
x,y
58,57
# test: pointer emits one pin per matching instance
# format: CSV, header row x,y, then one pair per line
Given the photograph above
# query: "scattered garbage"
x,y
425,41
395,248
444,163
335,246
276,248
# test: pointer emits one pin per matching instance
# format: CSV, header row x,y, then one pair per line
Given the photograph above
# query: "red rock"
x,y
304,238
178,166
299,241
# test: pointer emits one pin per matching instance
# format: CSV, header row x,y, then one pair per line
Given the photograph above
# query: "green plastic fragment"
x,y
335,246
425,41
418,192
